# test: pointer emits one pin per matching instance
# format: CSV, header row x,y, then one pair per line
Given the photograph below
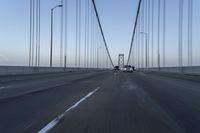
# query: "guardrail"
x,y
192,70
15,70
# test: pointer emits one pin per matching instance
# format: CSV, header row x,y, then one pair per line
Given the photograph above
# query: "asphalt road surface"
x,y
100,102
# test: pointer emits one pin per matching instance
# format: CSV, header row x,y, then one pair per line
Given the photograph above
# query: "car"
x,y
133,68
128,68
116,68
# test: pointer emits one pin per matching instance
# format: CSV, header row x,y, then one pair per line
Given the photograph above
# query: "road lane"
x,y
126,103
180,98
29,113
27,83
26,77
121,106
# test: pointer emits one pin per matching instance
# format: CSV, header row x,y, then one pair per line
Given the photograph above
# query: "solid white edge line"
x,y
55,121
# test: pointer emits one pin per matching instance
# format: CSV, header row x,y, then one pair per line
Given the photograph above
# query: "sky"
x,y
117,18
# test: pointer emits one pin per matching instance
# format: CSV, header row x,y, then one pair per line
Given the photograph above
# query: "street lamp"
x,y
98,57
52,32
146,47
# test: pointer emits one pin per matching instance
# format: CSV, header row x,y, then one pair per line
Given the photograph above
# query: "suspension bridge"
x,y
65,80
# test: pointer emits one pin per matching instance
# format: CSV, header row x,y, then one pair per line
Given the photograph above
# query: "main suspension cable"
x,y
97,15
138,11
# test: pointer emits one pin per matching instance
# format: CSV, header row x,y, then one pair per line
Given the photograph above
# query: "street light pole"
x,y
51,49
146,48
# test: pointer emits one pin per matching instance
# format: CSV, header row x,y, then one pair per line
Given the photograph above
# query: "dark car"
x,y
133,68
116,68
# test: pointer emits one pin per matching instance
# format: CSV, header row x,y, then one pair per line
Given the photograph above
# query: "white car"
x,y
127,68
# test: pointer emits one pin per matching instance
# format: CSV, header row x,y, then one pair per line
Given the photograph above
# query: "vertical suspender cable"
x,y
148,33
66,31
132,54
164,28
39,27
136,47
76,49
30,43
93,40
190,14
85,48
158,54
79,51
189,32
88,30
61,33
139,37
180,39
97,58
91,37
142,41
94,30
33,32
36,36
95,34
152,35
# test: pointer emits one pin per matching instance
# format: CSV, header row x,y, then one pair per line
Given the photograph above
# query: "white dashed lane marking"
x,y
55,121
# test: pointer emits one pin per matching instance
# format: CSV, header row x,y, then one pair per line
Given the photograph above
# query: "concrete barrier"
x,y
192,70
16,70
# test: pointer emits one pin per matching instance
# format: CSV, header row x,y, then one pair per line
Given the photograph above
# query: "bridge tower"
x,y
121,61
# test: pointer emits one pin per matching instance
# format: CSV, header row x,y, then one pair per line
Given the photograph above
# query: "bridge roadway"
x,y
100,102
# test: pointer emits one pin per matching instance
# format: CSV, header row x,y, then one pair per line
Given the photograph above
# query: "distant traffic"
x,y
125,68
